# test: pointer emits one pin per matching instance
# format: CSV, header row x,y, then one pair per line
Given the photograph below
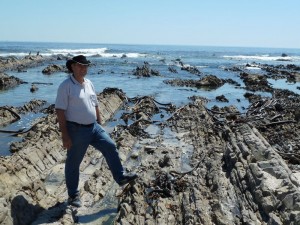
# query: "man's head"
x,y
80,59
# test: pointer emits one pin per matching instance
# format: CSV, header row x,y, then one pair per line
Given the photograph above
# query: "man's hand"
x,y
98,115
67,143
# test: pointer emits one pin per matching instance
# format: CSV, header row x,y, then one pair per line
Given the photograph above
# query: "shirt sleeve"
x,y
96,99
61,101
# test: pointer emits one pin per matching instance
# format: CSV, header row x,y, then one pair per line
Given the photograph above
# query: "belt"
x,y
80,125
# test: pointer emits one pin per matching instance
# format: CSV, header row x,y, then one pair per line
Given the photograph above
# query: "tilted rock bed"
x,y
196,166
32,179
21,64
7,81
236,176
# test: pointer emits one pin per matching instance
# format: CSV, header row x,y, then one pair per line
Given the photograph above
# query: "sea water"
x,y
113,66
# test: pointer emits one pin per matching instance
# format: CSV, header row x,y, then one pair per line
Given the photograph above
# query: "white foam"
x,y
22,54
119,55
96,52
85,51
135,55
263,57
252,68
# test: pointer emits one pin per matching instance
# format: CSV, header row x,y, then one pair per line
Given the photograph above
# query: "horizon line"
x,y
183,45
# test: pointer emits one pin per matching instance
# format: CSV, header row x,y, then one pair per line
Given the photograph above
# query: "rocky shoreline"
x,y
196,165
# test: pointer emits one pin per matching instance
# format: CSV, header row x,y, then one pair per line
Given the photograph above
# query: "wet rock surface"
x,y
10,114
145,71
195,165
7,81
54,68
209,81
32,180
14,63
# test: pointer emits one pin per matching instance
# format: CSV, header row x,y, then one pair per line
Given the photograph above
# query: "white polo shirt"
x,y
78,100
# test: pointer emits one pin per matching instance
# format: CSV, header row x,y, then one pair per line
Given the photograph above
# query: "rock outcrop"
x,y
210,174
7,81
195,165
145,71
32,178
8,63
209,81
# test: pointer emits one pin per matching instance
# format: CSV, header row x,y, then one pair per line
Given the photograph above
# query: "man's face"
x,y
79,69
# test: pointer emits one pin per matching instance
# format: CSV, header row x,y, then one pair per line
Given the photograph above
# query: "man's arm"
x,y
98,115
67,143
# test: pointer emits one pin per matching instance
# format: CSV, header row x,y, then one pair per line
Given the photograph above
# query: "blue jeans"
x,y
81,138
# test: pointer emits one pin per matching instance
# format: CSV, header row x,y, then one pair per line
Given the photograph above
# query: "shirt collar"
x,y
75,81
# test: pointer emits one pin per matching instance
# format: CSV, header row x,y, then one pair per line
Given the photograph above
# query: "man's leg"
x,y
102,142
80,137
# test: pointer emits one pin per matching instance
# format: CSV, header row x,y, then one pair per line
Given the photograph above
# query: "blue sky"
x,y
248,23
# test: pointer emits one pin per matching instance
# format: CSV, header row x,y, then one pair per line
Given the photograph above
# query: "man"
x,y
79,121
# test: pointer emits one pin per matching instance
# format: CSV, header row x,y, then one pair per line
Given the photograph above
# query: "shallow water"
x,y
109,69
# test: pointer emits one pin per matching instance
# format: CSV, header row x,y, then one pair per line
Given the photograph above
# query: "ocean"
x,y
113,66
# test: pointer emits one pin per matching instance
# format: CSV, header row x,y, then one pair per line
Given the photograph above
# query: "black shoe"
x,y
75,201
127,178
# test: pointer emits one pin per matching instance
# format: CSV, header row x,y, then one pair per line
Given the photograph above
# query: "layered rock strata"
x,y
32,178
236,176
